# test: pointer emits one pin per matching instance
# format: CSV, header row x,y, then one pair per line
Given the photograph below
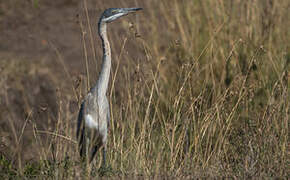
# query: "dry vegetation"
x,y
198,89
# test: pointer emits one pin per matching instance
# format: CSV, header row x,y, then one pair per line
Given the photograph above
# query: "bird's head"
x,y
112,14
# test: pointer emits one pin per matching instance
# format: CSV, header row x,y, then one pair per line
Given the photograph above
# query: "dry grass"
x,y
198,89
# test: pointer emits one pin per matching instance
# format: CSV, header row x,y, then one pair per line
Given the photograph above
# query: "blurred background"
x,y
198,88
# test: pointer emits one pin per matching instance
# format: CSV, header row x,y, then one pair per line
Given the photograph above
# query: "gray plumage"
x,y
94,114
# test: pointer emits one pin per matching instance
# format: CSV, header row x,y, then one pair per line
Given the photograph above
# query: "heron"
x,y
94,113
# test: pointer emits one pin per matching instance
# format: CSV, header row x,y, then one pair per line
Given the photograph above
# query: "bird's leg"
x,y
87,148
104,169
104,156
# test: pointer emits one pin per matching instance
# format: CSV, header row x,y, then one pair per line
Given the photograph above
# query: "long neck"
x,y
103,81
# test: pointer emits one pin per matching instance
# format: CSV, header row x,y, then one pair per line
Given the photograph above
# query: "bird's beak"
x,y
130,10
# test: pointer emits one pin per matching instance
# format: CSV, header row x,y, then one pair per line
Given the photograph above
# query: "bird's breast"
x,y
96,124
90,122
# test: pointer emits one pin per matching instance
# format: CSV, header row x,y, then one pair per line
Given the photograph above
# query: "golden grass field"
x,y
198,88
